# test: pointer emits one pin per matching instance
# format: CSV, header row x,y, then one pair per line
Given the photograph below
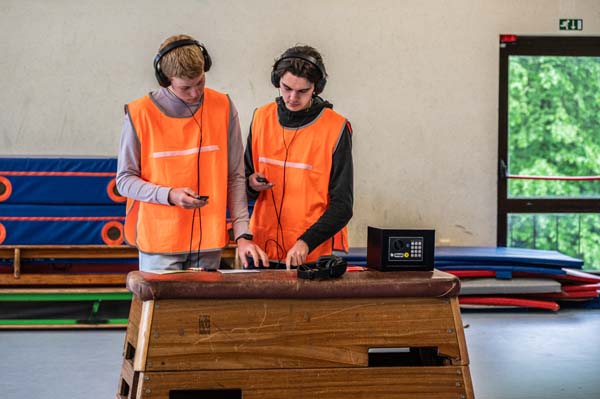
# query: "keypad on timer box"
x,y
416,249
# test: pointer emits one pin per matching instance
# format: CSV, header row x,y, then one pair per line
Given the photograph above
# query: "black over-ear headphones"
x,y
319,85
163,80
326,267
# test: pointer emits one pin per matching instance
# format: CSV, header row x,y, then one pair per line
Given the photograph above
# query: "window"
x,y
549,145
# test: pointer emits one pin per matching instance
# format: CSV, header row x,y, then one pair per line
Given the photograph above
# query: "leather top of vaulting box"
x,y
285,284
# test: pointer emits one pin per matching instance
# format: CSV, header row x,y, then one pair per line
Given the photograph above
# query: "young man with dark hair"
x,y
299,165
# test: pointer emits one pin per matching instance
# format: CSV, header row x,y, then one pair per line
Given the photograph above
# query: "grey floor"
x,y
513,355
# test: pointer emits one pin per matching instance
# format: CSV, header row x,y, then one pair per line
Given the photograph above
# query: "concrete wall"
x,y
417,79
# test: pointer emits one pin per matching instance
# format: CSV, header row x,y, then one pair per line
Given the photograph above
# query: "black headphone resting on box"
x,y
293,53
326,267
162,79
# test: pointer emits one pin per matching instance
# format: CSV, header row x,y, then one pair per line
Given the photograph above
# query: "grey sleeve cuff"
x,y
162,195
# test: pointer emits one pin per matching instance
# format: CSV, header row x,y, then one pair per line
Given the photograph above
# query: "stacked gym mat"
x,y
500,277
61,202
517,277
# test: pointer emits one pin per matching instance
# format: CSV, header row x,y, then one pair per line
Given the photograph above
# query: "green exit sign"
x,y
570,24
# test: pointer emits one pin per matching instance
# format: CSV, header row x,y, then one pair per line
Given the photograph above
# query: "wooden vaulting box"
x,y
269,335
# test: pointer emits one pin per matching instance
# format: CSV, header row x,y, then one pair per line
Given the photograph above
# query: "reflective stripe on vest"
x,y
307,169
169,157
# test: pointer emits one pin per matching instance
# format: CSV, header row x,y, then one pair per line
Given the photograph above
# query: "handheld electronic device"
x,y
261,179
261,266
202,197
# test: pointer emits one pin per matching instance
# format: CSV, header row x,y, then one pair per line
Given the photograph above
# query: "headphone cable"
x,y
281,248
198,180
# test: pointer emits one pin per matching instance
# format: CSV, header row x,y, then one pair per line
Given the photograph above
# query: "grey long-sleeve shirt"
x,y
130,184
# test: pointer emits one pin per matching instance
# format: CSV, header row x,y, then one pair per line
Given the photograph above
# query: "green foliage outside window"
x,y
554,125
577,235
554,130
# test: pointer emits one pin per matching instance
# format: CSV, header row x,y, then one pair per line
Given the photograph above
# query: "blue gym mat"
x,y
505,255
485,256
61,225
58,180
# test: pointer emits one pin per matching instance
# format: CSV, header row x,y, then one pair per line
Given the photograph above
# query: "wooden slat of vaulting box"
x,y
129,378
62,279
133,326
381,383
259,333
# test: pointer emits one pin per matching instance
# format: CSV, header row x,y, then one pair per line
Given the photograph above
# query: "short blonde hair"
x,y
185,62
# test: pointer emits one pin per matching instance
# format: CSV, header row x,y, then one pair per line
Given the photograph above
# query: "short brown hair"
x,y
300,67
182,62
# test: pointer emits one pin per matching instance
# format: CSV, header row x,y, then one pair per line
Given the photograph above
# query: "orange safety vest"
x,y
169,157
307,169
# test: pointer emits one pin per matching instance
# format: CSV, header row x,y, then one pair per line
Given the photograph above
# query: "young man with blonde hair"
x,y
181,166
